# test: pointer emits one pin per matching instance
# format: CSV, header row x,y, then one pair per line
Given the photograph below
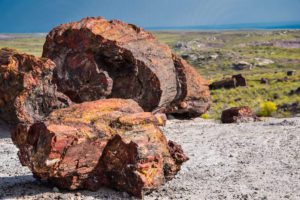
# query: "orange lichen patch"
x,y
138,118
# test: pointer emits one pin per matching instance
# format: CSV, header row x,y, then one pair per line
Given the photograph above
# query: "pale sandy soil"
x,y
259,160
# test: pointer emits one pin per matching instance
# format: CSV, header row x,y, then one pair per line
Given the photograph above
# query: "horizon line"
x,y
291,25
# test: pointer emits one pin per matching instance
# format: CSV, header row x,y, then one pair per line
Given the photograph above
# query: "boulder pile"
x,y
90,117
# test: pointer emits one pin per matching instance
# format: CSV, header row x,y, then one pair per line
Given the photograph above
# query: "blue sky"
x,y
42,15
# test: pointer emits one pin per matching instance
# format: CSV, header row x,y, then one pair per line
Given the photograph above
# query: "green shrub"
x,y
204,116
267,108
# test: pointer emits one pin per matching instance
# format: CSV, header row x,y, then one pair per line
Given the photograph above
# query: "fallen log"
x,y
235,81
109,142
99,59
27,93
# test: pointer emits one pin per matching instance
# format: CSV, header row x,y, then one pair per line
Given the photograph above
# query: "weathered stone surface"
x,y
193,95
242,65
99,59
235,81
27,93
109,142
238,114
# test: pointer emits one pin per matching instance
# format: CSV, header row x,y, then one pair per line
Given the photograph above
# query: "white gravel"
x,y
259,160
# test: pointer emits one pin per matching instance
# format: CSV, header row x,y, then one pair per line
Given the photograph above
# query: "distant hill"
x,y
245,26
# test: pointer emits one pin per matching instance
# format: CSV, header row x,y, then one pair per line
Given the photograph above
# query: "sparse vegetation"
x,y
231,47
267,109
205,116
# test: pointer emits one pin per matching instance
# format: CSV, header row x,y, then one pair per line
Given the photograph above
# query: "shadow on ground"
x,y
4,130
26,187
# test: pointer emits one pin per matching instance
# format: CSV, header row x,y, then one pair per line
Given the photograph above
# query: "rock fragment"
x,y
27,93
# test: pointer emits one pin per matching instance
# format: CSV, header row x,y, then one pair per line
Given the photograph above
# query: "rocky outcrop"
x,y
109,142
99,59
233,82
238,114
242,65
27,93
263,62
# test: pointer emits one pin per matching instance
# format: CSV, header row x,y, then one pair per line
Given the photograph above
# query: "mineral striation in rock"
x,y
27,93
109,142
99,59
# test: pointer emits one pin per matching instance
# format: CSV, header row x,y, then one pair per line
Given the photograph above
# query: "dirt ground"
x,y
259,160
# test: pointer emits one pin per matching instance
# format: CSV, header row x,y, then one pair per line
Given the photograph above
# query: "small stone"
x,y
55,189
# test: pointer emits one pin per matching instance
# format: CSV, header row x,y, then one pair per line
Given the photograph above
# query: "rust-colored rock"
x,y
224,83
193,94
99,59
238,114
109,142
27,93
233,82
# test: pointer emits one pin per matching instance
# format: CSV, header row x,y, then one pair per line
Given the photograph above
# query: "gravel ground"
x,y
259,160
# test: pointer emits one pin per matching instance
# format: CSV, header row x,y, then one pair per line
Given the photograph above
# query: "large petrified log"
x,y
99,59
109,142
27,93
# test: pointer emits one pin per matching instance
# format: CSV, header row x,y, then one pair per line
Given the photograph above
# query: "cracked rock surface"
x,y
27,93
98,59
110,142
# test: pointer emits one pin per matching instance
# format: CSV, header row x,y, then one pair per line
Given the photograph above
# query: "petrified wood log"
x,y
193,95
238,114
99,59
109,142
27,93
235,81
240,80
224,83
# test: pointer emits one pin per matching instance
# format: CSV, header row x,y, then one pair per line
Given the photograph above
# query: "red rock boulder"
x,y
27,93
109,142
99,59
